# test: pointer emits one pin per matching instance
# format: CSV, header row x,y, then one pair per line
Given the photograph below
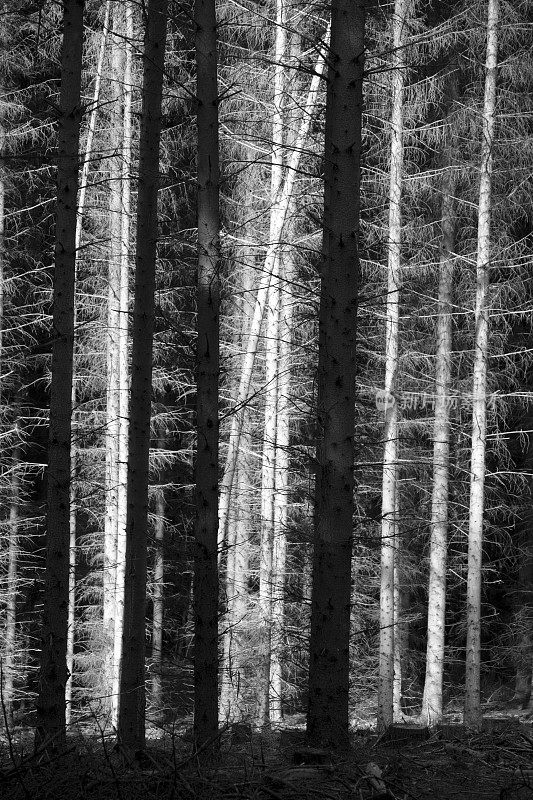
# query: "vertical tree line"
x,y
281,459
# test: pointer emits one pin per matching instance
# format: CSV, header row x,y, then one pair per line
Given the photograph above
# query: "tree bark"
x,y
157,625
123,365
114,161
206,467
273,310
131,716
53,674
472,710
389,523
232,683
432,697
73,447
327,719
279,549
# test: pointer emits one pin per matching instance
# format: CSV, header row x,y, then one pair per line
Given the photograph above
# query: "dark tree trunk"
x,y
131,718
53,676
327,721
205,564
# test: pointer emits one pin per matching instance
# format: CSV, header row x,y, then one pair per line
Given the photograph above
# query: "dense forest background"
x,y
344,577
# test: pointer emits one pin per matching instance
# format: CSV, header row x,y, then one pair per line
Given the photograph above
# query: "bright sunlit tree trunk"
x,y
389,523
74,444
472,711
112,344
432,696
269,470
123,364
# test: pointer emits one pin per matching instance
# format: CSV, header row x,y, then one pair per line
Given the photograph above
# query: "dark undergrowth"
x,y
410,764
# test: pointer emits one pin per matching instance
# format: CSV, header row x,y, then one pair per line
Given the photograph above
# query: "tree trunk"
x,y
12,588
206,466
432,697
157,627
53,675
123,367
240,525
389,524
327,720
73,446
112,342
279,552
273,309
399,639
231,700
131,716
472,711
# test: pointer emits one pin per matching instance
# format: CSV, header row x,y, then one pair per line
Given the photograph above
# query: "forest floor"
x,y
450,763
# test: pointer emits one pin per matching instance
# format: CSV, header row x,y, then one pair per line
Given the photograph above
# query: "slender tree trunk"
x,y
123,365
205,565
112,342
239,528
278,218
268,470
472,712
157,627
327,719
231,704
12,588
71,593
279,552
131,716
389,524
53,675
399,639
432,696
73,445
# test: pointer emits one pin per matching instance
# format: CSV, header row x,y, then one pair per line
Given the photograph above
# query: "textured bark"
x,y
389,524
131,716
231,701
123,367
73,447
114,162
327,720
432,697
472,711
273,310
53,674
207,354
279,551
157,625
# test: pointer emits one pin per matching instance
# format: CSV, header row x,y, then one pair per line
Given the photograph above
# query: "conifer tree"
x,y
327,719
53,674
131,713
472,712
206,466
